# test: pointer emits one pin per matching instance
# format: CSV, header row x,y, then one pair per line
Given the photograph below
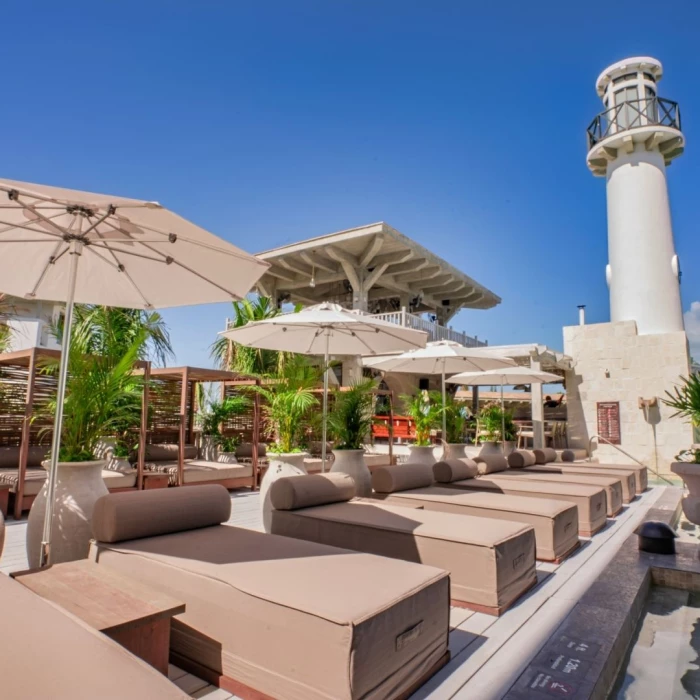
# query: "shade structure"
x,y
442,357
327,329
80,247
507,376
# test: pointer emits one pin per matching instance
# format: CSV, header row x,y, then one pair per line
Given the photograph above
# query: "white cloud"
x,y
692,328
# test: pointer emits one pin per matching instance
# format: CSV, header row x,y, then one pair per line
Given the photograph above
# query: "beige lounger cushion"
x,y
491,563
47,653
555,522
490,464
544,455
169,451
590,500
641,473
521,458
294,620
128,516
245,450
400,477
119,480
626,476
611,485
454,470
292,492
34,479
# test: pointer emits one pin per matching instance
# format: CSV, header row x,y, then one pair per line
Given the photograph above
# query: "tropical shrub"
x,y
685,399
455,417
351,419
492,420
426,415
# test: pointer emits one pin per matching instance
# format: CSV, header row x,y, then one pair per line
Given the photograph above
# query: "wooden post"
x,y
183,428
256,437
190,415
26,435
391,428
143,430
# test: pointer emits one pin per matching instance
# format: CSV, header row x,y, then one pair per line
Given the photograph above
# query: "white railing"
x,y
434,330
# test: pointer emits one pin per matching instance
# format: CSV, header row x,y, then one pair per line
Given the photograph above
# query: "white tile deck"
x,y
488,653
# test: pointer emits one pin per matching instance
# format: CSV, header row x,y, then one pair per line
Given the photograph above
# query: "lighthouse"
x,y
632,143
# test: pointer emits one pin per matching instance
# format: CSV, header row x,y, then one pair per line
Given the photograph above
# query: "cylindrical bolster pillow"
x,y
544,455
402,477
488,464
245,450
128,516
521,458
306,490
450,470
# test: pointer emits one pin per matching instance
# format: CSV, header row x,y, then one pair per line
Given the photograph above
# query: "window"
x,y
622,78
649,76
651,108
627,114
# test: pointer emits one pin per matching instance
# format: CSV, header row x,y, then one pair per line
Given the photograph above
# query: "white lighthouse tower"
x,y
631,144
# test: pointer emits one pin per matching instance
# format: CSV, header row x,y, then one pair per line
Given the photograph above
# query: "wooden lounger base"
x,y
590,533
243,482
230,685
562,557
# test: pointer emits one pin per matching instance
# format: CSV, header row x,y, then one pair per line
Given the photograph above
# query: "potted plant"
x,y
102,394
685,400
227,448
350,422
455,424
287,400
426,415
490,426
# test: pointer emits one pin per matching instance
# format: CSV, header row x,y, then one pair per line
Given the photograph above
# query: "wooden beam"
x,y
26,435
342,256
412,266
353,275
371,279
143,430
256,437
371,250
425,274
319,261
450,286
183,423
285,275
295,266
395,258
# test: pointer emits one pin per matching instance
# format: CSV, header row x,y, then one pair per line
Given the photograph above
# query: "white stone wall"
x,y
613,363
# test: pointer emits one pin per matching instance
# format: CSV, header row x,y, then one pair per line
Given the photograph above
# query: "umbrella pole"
x,y
444,410
325,405
45,553
503,419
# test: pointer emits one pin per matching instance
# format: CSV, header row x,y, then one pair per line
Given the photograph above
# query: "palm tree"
x,y
239,358
99,330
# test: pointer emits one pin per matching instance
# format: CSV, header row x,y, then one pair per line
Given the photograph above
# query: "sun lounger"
x,y
491,563
569,459
590,500
273,615
555,522
47,653
518,466
521,460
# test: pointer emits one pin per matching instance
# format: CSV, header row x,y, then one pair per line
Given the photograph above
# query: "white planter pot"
x,y
690,473
209,450
509,446
281,465
118,464
419,454
454,450
78,486
490,448
352,463
227,458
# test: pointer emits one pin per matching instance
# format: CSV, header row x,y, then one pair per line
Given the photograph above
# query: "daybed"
x,y
47,653
273,615
555,522
491,563
571,458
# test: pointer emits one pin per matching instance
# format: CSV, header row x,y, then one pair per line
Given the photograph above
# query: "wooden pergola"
x,y
176,387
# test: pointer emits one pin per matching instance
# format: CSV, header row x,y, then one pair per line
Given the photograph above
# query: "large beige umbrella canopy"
x,y
327,329
504,377
443,357
80,247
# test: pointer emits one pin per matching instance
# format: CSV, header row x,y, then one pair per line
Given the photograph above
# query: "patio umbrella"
x,y
508,375
85,248
442,357
327,329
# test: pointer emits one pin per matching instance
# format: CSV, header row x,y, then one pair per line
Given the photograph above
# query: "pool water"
x,y
664,660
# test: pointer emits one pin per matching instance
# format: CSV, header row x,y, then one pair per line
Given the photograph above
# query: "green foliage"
x,y
351,419
455,416
288,399
213,413
229,443
426,415
103,397
101,330
685,399
6,312
240,358
491,420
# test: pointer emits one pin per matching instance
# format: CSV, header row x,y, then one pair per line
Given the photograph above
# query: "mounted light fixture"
x,y
312,281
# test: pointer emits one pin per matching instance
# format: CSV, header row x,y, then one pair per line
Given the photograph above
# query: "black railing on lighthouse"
x,y
633,114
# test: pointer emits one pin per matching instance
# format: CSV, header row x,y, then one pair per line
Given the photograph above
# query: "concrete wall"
x,y
613,363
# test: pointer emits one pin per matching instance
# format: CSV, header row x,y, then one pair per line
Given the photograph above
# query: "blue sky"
x,y
461,124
